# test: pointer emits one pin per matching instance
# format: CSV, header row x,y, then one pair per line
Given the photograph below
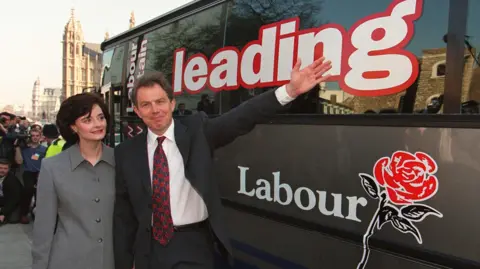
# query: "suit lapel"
x,y
142,162
182,140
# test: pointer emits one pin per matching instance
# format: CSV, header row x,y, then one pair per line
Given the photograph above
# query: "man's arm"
x,y
242,119
125,224
14,196
45,219
18,155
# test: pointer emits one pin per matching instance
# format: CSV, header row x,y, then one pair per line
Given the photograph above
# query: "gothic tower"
x,y
132,20
81,60
36,91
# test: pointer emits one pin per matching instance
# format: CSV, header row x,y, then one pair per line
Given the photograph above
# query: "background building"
x,y
37,89
45,102
82,61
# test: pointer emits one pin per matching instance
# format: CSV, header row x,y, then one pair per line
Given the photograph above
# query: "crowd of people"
x,y
23,146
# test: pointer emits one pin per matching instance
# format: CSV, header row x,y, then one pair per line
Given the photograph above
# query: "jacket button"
x,y
97,200
98,220
148,229
100,240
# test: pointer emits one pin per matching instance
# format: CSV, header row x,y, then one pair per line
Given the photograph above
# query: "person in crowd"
x,y
168,212
76,192
181,110
36,126
24,122
205,105
52,138
7,139
10,194
30,156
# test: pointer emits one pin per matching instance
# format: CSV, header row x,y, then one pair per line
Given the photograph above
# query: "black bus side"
x,y
363,172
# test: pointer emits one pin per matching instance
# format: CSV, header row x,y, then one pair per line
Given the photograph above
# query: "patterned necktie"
x,y
162,217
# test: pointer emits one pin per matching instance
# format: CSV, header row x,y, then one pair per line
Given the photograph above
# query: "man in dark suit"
x,y
10,194
182,111
168,212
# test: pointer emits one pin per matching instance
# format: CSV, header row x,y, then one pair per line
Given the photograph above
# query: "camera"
x,y
19,133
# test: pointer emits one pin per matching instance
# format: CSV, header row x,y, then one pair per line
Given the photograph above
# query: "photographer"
x,y
7,138
30,153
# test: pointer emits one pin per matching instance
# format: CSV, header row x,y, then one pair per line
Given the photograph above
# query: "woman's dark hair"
x,y
75,107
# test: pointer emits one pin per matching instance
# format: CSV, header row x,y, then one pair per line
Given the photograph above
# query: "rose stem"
x,y
370,230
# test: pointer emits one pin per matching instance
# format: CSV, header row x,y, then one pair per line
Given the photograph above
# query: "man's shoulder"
x,y
11,176
128,144
194,120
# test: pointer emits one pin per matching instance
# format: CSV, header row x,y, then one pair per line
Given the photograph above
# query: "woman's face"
x,y
91,127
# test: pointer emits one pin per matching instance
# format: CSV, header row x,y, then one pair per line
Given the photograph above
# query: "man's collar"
x,y
169,134
76,157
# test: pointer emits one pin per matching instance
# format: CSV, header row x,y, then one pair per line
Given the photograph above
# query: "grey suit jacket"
x,y
82,196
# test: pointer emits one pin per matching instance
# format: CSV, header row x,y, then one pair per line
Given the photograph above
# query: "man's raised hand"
x,y
304,80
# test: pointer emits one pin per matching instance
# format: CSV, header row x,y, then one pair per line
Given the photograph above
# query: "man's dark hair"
x,y
50,131
4,161
149,80
8,114
75,107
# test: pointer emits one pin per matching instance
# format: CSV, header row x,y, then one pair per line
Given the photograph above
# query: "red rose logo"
x,y
398,183
407,177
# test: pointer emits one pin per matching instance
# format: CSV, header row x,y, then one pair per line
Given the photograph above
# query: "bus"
x,y
375,168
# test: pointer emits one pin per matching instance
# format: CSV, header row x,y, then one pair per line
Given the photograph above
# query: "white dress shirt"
x,y
186,205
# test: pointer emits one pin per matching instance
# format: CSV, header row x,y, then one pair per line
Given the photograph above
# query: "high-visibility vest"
x,y
55,147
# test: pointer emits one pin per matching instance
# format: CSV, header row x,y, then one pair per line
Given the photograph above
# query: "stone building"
x,y
37,89
45,102
132,20
82,61
430,83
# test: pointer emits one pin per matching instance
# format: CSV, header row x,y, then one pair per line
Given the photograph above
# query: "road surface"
x,y
15,246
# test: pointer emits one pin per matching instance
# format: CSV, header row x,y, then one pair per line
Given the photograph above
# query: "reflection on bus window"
x,y
233,26
113,66
471,72
106,64
199,33
182,110
424,95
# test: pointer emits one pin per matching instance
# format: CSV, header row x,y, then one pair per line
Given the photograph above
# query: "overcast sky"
x,y
31,34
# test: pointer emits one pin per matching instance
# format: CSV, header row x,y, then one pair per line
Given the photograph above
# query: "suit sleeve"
x,y
239,121
125,224
45,218
15,195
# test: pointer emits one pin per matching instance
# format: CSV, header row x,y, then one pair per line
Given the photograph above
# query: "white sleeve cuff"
x,y
282,96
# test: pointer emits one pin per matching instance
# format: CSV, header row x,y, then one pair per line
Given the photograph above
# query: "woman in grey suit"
x,y
75,194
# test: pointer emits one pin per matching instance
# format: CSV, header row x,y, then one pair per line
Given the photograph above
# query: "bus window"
x,y
113,66
397,69
198,33
471,73
107,63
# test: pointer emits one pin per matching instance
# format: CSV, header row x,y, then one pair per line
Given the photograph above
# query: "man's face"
x,y
155,108
4,168
181,107
35,136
